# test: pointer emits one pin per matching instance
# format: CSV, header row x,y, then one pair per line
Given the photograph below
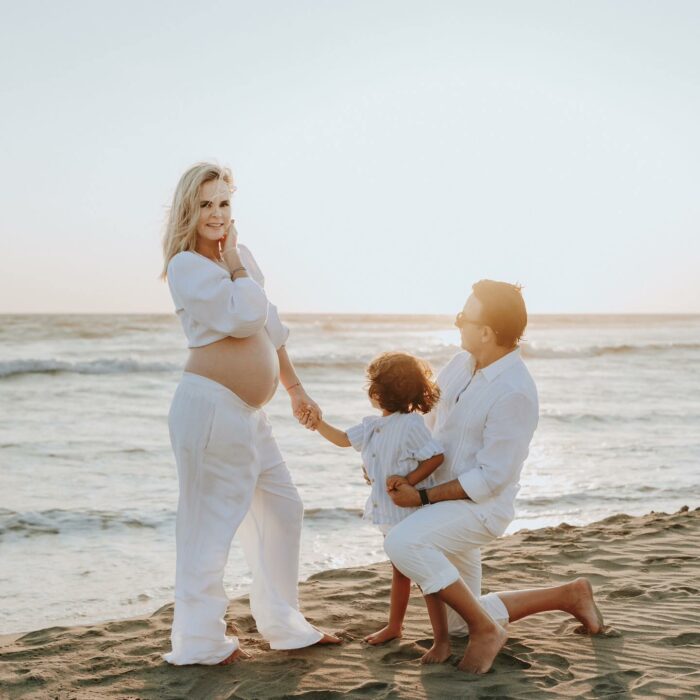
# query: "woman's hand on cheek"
x,y
229,241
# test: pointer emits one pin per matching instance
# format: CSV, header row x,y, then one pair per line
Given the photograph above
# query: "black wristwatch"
x,y
424,500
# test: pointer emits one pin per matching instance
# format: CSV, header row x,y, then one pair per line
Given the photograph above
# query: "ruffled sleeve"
x,y
359,433
420,444
278,332
207,293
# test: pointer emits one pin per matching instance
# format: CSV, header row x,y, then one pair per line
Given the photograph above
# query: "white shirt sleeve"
x,y
236,308
359,433
420,444
510,425
356,435
278,332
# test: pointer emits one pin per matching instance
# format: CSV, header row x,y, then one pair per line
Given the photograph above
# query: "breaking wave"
x,y
598,350
13,368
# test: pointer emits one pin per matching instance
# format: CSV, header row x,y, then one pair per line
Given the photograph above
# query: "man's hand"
x,y
393,482
405,496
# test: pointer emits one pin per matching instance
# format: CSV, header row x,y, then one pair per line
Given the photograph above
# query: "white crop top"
x,y
211,306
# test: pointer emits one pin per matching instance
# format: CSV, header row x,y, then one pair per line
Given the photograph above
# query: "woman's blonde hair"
x,y
183,216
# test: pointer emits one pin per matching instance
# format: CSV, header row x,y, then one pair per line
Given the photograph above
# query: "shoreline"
x,y
644,570
6,637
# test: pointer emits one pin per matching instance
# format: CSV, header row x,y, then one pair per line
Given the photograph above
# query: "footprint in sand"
x,y
616,683
508,662
626,592
550,659
372,689
405,653
685,639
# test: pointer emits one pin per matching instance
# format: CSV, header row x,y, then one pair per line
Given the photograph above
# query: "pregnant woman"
x,y
231,474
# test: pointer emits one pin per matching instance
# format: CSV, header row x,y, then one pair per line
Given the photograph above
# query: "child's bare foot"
x,y
482,649
238,655
583,606
386,634
438,653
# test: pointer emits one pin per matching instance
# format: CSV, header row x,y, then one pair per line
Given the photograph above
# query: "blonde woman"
x,y
231,474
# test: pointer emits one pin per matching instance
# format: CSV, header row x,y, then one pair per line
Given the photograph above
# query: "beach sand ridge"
x,y
645,572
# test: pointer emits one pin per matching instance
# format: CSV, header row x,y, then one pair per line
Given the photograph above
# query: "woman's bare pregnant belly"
x,y
249,367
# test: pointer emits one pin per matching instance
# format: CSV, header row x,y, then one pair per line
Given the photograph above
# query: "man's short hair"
x,y
503,310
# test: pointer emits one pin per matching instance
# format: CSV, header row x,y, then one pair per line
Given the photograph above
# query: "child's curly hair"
x,y
401,382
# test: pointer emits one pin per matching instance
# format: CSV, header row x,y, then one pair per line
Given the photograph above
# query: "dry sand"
x,y
645,572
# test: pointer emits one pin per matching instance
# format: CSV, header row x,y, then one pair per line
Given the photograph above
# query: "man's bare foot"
x,y
483,649
583,606
329,639
438,653
238,655
386,634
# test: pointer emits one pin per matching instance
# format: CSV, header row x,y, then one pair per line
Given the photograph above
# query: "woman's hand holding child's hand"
x,y
304,408
311,417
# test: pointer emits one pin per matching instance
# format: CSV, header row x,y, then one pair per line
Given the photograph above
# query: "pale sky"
x,y
387,154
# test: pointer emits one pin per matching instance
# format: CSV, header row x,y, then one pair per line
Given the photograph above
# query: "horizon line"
x,y
354,313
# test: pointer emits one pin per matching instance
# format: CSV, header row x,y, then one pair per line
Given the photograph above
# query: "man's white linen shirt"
x,y
485,420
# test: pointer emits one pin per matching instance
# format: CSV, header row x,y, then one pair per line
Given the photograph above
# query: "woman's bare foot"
x,y
238,655
386,634
438,653
329,639
482,649
583,606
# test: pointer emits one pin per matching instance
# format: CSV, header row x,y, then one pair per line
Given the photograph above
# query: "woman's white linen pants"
x,y
232,478
439,544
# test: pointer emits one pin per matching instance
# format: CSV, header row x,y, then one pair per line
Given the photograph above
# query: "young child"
x,y
396,446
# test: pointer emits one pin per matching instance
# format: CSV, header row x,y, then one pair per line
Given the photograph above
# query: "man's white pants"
x,y
439,544
232,478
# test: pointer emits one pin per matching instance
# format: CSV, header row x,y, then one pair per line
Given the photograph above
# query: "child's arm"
x,y
425,469
337,437
422,471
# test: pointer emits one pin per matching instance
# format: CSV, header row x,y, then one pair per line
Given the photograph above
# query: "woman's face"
x,y
214,210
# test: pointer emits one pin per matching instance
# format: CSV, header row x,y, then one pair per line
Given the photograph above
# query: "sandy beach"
x,y
645,572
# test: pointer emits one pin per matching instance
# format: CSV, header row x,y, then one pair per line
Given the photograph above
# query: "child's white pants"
x,y
232,478
439,544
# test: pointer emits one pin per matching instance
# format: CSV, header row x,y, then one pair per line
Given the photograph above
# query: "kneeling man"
x,y
485,419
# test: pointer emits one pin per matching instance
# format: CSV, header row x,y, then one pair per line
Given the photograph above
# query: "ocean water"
x,y
88,487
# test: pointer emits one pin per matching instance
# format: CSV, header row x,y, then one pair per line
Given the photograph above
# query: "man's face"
x,y
470,325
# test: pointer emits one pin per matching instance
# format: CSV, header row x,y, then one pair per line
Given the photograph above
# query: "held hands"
x,y
393,482
405,496
304,408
